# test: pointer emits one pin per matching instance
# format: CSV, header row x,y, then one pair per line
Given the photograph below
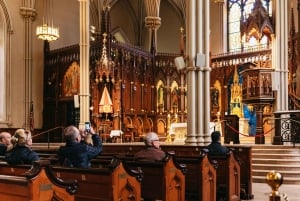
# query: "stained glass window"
x,y
237,11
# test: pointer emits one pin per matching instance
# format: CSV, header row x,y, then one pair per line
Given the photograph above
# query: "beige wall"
x,y
66,17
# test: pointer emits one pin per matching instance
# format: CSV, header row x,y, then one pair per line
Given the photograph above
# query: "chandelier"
x,y
47,31
105,65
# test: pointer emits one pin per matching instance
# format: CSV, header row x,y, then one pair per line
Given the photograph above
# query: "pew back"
x,y
35,184
111,183
200,178
163,180
228,177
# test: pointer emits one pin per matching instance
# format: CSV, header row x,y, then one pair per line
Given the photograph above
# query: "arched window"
x,y
5,31
239,10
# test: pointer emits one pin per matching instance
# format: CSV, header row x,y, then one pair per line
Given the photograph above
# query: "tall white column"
x,y
280,54
206,71
191,73
198,82
84,44
28,12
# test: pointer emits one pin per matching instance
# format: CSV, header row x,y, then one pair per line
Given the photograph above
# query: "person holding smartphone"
x,y
85,133
75,153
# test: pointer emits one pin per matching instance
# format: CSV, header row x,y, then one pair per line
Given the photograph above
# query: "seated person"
x,y
5,143
152,149
75,153
21,152
215,147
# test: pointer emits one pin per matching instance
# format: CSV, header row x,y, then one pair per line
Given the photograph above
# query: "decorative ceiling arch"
x,y
8,20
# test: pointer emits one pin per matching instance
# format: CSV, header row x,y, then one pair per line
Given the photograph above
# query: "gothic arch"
x,y
5,69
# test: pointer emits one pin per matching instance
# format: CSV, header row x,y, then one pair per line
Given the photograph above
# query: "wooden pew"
x,y
36,184
163,180
111,182
228,177
200,179
243,153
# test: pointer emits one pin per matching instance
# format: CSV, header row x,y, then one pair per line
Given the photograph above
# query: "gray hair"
x,y
71,133
151,136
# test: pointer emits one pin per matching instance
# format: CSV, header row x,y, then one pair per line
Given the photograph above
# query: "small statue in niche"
x,y
175,96
215,97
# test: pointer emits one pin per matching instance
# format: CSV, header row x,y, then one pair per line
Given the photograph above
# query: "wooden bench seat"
x,y
228,177
162,180
111,182
36,184
200,179
242,153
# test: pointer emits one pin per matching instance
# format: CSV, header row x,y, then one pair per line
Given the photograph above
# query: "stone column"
x,y
191,73
28,12
198,74
206,72
152,21
280,54
84,44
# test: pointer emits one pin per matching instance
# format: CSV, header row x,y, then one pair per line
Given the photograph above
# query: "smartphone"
x,y
87,126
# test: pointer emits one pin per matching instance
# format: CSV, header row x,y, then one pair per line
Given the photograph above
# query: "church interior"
x,y
140,69
114,64
179,68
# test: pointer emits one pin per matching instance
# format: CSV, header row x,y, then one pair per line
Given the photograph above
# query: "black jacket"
x,y
3,149
215,148
76,154
21,155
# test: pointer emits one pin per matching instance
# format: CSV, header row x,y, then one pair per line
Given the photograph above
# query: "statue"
x,y
215,97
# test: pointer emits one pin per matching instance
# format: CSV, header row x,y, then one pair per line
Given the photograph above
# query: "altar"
x,y
179,131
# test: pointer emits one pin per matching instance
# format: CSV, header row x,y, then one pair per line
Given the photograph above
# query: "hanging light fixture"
x,y
47,31
105,65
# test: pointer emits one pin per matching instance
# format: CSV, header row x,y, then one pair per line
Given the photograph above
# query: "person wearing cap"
x,y
215,147
152,150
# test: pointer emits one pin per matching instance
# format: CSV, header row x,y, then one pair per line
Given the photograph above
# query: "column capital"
x,y
152,22
28,12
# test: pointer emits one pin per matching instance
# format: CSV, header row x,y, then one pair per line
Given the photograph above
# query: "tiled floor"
x,y
261,192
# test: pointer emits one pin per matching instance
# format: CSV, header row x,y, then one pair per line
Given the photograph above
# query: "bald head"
x,y
5,138
72,134
150,138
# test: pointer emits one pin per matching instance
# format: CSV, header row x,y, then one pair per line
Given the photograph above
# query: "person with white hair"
x,y
152,150
5,143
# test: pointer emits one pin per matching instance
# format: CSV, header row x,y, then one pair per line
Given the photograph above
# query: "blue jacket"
x,y
76,154
21,155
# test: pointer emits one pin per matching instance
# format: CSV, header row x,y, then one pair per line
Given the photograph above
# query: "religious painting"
x,y
71,79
